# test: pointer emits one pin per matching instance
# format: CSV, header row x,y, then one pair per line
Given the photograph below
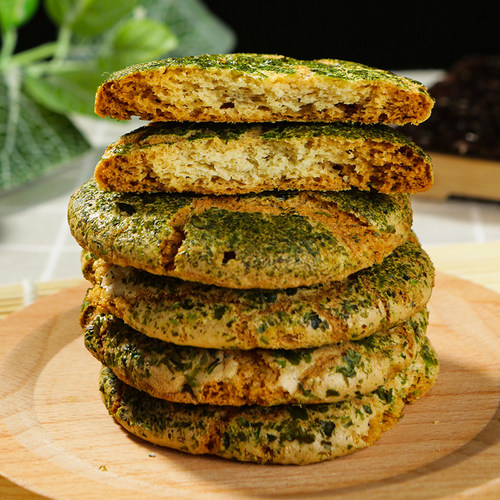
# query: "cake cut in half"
x,y
214,158
261,88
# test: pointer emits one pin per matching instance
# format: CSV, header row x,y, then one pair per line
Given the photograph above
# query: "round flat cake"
x,y
265,240
236,158
186,313
261,88
284,434
263,377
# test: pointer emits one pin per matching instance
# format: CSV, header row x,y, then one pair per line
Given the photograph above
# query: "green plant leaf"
x,y
89,17
61,11
33,139
134,41
69,91
198,30
14,13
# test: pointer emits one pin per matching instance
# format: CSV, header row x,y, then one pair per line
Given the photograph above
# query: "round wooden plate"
x,y
56,438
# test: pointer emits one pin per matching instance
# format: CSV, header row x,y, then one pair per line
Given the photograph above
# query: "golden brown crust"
x,y
242,158
261,88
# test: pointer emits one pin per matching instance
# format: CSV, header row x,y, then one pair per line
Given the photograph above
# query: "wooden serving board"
x,y
57,440
463,176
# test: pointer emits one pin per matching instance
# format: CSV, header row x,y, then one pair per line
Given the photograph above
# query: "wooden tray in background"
x,y
57,439
464,176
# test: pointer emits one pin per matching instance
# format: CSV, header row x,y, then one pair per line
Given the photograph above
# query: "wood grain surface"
x,y
57,440
463,176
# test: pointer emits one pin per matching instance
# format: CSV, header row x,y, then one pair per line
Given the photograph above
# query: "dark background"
x,y
385,34
402,35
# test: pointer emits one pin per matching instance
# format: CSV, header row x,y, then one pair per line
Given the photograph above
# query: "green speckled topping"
x,y
268,131
114,223
280,434
264,240
380,211
207,316
252,235
262,66
185,374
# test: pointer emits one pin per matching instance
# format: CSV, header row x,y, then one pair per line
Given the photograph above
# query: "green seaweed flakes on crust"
x,y
265,377
285,434
261,88
265,240
264,65
188,313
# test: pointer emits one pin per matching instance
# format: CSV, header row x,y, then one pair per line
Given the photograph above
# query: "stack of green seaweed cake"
x,y
257,290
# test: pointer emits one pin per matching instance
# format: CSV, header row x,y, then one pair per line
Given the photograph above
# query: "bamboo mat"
x,y
477,262
14,297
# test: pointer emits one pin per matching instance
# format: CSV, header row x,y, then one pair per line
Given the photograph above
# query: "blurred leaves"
x,y
14,13
136,40
34,139
43,87
88,17
196,28
70,89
